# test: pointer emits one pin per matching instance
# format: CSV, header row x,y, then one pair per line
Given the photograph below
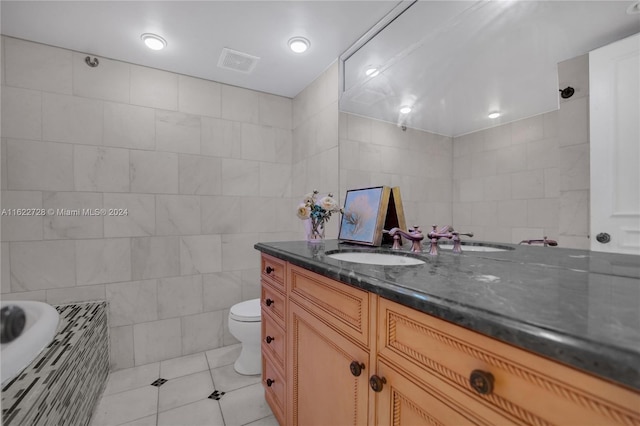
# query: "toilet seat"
x,y
247,311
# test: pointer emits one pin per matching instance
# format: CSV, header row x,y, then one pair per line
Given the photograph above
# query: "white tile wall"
x,y
22,228
21,113
39,165
157,340
153,88
541,175
55,262
72,119
140,220
74,224
240,104
129,126
108,81
100,169
177,214
132,302
177,132
153,172
35,66
101,261
154,257
197,96
179,296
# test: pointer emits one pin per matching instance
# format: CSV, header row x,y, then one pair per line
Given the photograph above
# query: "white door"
x,y
614,85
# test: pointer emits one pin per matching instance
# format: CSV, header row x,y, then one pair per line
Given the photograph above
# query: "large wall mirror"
x,y
454,62
451,64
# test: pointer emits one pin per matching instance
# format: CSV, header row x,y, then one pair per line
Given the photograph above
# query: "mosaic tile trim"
x,y
62,385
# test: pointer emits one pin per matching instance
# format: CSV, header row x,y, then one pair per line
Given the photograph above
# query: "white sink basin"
x,y
376,258
473,248
39,330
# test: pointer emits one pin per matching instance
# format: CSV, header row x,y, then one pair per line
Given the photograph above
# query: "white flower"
x,y
309,199
329,204
303,211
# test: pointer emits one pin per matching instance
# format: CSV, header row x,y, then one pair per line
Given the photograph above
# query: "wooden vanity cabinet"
x,y
328,351
353,358
273,334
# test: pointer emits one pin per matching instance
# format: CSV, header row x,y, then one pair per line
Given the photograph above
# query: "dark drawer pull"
x,y
269,302
270,382
356,368
270,339
377,382
481,382
269,270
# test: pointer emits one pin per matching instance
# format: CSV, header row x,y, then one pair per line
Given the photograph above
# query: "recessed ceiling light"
x,y
372,71
299,44
406,109
153,41
494,114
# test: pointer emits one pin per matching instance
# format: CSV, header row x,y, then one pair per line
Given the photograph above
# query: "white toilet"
x,y
244,325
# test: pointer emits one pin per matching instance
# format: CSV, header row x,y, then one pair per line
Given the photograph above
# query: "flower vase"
x,y
314,229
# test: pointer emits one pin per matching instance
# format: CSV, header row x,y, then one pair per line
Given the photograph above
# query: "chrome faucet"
x,y
415,235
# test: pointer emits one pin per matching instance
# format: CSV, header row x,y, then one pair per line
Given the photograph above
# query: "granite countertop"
x,y
577,307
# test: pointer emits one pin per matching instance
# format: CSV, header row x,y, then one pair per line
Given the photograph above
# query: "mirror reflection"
x,y
451,64
523,174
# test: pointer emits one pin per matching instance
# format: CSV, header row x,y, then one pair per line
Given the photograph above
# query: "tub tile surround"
x,y
65,381
129,398
203,169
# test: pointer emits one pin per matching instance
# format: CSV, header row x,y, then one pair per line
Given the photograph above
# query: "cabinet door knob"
x,y
481,381
269,302
376,383
270,339
269,269
356,368
270,382
603,238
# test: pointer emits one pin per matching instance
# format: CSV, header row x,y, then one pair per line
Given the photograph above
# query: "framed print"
x,y
365,214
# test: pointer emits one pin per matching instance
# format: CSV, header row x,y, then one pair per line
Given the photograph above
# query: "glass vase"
x,y
315,230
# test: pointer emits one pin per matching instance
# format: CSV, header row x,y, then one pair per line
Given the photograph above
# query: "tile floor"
x,y
184,399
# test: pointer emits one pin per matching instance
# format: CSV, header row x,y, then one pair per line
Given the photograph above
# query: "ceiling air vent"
x,y
237,61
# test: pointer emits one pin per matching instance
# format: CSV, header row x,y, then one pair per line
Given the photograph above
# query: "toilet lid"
x,y
248,311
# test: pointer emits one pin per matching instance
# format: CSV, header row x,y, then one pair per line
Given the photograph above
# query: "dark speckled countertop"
x,y
577,307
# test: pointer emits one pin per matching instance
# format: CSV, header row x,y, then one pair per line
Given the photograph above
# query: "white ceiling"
x,y
197,31
456,61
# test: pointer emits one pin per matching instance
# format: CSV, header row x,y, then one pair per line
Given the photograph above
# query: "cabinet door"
x,y
402,402
323,389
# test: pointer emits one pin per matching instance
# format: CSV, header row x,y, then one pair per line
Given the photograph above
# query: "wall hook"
x,y
91,63
567,92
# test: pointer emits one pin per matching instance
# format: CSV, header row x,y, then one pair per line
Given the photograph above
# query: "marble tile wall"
x,y
315,155
374,153
529,178
203,169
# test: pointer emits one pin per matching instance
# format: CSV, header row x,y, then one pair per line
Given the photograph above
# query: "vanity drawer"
x,y
514,383
341,306
273,340
274,389
273,301
274,269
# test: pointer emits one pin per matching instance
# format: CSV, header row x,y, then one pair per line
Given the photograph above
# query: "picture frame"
x,y
367,211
